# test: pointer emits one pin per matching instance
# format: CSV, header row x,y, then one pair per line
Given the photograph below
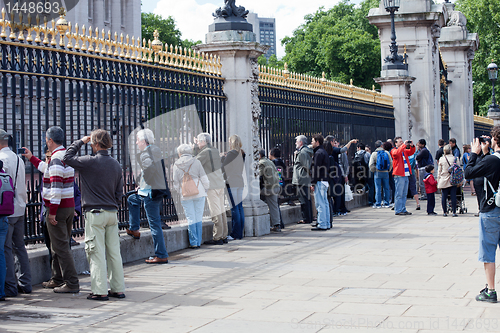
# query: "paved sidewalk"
x,y
373,272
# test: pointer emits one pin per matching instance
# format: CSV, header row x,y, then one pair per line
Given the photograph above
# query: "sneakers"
x,y
51,284
64,289
433,213
418,207
229,238
484,296
385,206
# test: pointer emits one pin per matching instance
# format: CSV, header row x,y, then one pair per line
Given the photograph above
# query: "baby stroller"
x,y
461,209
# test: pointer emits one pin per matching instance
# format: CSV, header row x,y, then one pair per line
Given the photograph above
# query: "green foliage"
x,y
483,17
169,34
339,41
272,62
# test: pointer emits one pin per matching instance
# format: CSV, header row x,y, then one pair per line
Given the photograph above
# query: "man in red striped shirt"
x,y
58,199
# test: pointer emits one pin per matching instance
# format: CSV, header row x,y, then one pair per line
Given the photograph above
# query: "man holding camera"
x,y
401,172
489,211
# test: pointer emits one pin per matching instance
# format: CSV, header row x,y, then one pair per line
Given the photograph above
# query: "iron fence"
x,y
93,82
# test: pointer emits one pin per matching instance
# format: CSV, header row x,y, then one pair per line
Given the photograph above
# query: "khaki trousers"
x,y
102,246
215,200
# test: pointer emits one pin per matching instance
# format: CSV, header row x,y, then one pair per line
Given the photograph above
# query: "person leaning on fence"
x,y
335,179
344,168
233,165
401,172
381,165
102,189
58,197
209,157
444,182
270,187
489,216
275,157
192,183
301,177
14,242
319,182
150,193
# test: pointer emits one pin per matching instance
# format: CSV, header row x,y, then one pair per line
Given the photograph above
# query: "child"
x,y
430,189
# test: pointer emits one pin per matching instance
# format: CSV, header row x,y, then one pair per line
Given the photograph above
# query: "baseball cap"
x,y
4,135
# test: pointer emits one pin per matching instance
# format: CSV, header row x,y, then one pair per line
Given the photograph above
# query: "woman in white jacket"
x,y
195,204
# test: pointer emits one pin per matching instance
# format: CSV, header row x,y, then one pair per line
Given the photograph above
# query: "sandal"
x,y
98,297
116,295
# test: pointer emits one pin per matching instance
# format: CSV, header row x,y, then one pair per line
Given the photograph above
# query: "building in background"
x,y
120,16
265,30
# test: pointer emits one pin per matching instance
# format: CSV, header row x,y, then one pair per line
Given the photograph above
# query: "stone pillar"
x,y
396,83
238,52
418,24
457,47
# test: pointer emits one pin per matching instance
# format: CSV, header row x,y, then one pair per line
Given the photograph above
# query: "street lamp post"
x,y
394,60
493,76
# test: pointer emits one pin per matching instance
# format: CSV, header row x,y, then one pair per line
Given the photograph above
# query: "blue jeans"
x,y
4,227
322,205
193,209
382,184
152,208
237,213
401,184
489,235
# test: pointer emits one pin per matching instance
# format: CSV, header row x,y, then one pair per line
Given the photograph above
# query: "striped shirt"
x,y
58,178
407,167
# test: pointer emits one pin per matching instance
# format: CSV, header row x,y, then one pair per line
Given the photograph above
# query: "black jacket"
x,y
489,167
321,165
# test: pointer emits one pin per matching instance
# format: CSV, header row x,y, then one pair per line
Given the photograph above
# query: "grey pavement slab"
x,y
373,272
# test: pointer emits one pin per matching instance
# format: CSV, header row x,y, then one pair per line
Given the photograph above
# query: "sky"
x,y
194,16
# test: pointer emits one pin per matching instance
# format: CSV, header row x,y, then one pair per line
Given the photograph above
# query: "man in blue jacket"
x,y
319,182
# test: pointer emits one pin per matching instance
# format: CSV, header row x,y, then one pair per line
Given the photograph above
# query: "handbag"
x,y
348,193
189,188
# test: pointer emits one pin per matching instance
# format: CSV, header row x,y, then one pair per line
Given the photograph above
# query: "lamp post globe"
x,y
493,110
392,5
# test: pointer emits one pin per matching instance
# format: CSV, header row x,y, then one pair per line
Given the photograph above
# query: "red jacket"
x,y
430,183
398,167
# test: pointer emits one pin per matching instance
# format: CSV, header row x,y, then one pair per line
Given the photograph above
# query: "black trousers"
x,y
431,202
304,194
452,191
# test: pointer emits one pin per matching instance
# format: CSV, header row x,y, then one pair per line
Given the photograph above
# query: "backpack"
x,y
7,193
456,173
189,188
156,177
360,166
383,161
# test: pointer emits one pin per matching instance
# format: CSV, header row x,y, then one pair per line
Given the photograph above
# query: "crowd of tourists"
x,y
323,175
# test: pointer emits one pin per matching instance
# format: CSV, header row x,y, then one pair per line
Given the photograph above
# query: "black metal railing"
x,y
118,88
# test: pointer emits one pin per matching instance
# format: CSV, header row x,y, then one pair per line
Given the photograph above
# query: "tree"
x,y
168,32
339,41
272,62
483,17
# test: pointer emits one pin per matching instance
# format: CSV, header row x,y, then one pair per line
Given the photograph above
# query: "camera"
x,y
484,140
21,151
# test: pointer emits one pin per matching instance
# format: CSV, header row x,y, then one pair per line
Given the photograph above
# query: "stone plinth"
x,y
241,72
397,84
